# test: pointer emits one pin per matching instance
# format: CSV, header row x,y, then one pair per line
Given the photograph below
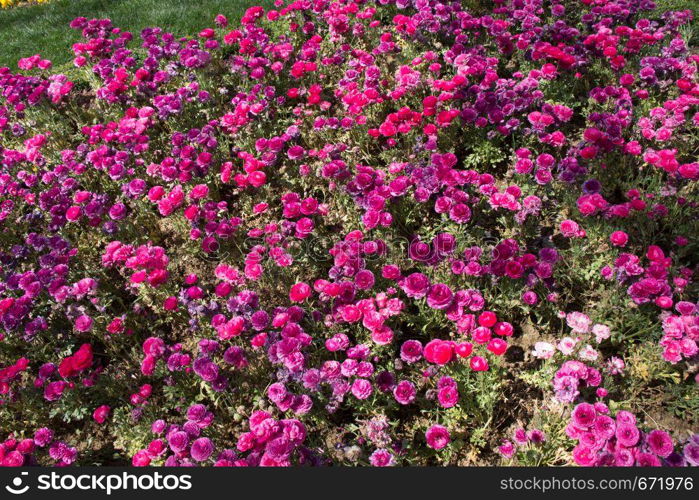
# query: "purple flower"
x,y
675,460
195,413
385,381
536,436
444,243
192,429
691,453
235,356
276,392
259,320
566,388
202,449
178,441
439,296
302,404
206,369
279,449
591,186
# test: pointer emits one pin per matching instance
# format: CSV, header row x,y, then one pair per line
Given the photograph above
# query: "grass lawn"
x,y
43,28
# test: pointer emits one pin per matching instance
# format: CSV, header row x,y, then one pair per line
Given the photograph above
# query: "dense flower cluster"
x,y
356,232
23,452
182,445
588,366
607,441
6,4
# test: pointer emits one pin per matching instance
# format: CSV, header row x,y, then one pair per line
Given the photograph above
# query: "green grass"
x,y
44,29
690,32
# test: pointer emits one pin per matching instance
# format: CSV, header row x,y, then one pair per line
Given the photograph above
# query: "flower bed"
x,y
6,4
360,233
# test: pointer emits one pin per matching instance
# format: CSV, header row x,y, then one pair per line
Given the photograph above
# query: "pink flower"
x,y
619,238
579,322
601,332
543,350
439,296
404,392
479,364
567,345
202,449
382,458
439,352
141,459
584,415
299,292
364,279
660,443
507,449
411,351
361,388
73,213
101,413
584,456
627,434
415,285
437,437
83,323
448,397
520,436
569,228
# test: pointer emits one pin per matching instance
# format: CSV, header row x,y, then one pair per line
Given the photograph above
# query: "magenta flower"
x,y
411,351
361,388
439,296
202,449
382,458
404,392
584,415
437,437
448,397
660,443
